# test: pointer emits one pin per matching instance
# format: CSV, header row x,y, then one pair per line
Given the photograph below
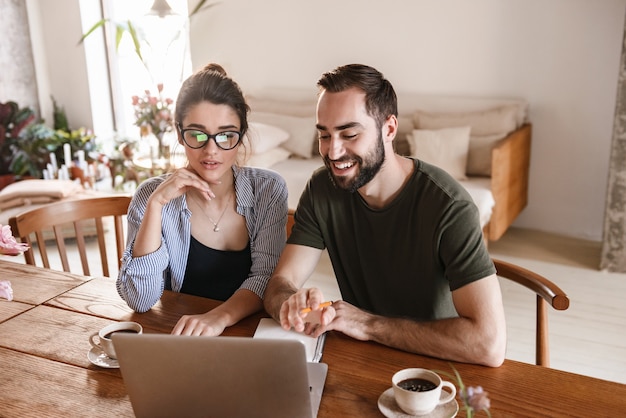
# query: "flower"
x,y
154,113
8,245
474,398
6,291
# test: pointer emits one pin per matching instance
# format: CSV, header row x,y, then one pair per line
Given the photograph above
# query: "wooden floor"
x,y
589,338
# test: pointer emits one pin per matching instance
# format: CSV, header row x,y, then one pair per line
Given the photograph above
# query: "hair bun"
x,y
216,68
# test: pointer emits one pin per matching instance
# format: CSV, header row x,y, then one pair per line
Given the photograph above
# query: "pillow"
x,y
446,148
302,131
405,127
499,120
479,154
268,158
55,189
262,137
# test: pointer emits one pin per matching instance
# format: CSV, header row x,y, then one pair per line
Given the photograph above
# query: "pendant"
x,y
216,229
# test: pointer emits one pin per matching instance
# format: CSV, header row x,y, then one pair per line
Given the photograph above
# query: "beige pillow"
x,y
301,129
55,189
479,155
446,148
499,120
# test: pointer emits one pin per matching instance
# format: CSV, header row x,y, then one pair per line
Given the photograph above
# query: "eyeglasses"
x,y
195,138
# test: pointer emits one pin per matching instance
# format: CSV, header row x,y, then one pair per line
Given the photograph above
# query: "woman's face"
x,y
211,162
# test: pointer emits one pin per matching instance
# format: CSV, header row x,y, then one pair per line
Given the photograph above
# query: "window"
x,y
165,53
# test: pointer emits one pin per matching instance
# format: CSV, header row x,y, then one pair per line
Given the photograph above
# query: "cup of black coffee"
x,y
418,391
104,336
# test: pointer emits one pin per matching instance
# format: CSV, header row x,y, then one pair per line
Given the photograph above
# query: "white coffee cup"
x,y
104,336
426,393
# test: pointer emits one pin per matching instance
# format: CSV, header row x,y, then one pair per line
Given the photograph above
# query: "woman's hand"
x,y
178,183
210,324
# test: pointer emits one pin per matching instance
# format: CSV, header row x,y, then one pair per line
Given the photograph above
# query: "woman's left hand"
x,y
208,324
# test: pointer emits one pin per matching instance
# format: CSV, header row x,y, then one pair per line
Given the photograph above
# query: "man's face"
x,y
351,143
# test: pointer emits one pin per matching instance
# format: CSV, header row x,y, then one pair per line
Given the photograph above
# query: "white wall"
x,y
560,55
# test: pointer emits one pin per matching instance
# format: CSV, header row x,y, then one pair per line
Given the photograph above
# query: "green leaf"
x,y
98,24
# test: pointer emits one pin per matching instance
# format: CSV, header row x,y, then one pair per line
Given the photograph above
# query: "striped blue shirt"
x,y
261,199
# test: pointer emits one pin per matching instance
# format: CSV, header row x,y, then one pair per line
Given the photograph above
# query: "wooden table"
x,y
45,370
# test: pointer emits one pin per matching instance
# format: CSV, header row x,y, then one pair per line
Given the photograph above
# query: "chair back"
x,y
73,219
547,293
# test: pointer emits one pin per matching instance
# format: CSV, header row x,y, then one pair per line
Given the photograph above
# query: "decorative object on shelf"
x,y
155,117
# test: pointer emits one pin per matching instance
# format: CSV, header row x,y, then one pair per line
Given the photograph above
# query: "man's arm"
x,y
296,264
478,335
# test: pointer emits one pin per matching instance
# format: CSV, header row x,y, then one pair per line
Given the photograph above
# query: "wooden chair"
x,y
71,218
547,293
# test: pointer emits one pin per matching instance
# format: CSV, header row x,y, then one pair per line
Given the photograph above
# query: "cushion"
x,y
446,148
301,129
55,189
479,155
268,158
262,137
405,127
499,120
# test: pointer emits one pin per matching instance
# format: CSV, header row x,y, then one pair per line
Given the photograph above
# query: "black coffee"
x,y
415,384
108,336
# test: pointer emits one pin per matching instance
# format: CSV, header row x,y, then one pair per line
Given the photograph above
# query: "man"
x,y
403,236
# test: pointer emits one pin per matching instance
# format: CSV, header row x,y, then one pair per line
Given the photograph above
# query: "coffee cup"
x,y
418,391
104,336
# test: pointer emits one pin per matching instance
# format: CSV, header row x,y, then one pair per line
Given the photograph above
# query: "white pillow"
x,y
446,148
262,137
302,131
268,158
499,120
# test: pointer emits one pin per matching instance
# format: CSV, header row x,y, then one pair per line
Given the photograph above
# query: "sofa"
x,y
483,142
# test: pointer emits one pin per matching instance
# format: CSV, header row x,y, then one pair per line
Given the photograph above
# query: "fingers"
x,y
196,325
303,307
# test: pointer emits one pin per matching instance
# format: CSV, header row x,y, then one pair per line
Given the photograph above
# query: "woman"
x,y
213,228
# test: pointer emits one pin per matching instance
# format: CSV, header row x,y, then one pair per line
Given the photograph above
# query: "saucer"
x,y
97,357
388,406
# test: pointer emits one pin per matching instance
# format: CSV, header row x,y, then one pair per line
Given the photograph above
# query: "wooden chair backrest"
x,y
73,216
547,293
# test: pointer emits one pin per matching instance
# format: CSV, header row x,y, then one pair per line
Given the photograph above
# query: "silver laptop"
x,y
184,376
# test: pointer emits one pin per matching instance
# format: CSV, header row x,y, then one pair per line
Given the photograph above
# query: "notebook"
x,y
167,375
269,328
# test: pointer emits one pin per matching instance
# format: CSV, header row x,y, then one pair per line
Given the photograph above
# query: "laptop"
x,y
167,375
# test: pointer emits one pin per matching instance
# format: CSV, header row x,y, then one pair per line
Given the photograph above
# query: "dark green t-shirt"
x,y
403,260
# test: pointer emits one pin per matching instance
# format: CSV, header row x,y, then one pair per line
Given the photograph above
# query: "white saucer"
x,y
97,357
388,406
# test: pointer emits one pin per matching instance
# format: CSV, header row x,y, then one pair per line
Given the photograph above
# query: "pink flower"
x,y
476,398
8,245
6,291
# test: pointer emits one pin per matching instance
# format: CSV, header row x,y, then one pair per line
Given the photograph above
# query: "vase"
x,y
159,153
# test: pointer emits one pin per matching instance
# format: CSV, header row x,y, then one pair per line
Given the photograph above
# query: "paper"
x,y
268,328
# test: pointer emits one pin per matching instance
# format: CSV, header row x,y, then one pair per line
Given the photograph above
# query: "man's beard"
x,y
368,168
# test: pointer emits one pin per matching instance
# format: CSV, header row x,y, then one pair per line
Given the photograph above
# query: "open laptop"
x,y
184,376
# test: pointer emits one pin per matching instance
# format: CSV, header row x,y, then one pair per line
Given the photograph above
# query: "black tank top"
x,y
213,273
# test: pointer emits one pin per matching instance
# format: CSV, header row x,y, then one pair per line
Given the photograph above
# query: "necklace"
x,y
216,227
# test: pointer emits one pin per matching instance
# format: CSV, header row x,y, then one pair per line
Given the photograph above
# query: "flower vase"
x,y
159,154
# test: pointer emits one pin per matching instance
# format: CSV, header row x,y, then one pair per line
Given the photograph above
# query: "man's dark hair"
x,y
380,97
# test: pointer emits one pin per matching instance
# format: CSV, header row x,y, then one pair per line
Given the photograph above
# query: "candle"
x,y
67,154
81,159
53,162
